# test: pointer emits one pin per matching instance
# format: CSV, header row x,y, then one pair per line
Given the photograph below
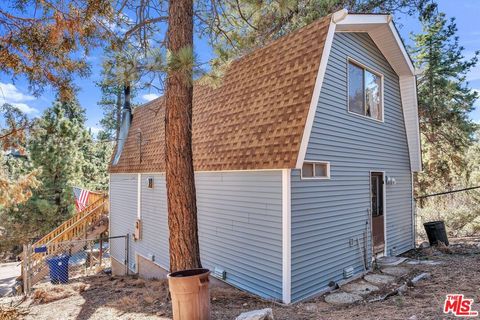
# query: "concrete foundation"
x,y
118,268
149,270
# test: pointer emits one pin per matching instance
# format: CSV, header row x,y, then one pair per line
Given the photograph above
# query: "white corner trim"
x,y
110,204
414,215
316,93
139,196
286,237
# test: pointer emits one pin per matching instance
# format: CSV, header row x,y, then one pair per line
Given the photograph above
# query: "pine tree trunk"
x,y
182,206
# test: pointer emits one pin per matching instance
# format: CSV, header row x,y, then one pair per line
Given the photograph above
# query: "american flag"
x,y
81,198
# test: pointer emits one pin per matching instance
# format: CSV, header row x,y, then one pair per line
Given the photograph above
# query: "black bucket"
x,y
436,232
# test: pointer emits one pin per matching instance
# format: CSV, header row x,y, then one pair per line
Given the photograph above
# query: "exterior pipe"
x,y
125,125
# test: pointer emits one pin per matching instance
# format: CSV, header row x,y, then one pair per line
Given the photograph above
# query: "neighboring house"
x,y
302,156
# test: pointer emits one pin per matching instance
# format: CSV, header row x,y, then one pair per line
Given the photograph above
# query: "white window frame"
x,y
314,177
382,92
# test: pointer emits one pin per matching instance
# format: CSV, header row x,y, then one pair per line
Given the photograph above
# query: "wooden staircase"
x,y
86,224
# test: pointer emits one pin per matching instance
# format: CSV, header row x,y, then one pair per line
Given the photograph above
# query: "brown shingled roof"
x,y
254,120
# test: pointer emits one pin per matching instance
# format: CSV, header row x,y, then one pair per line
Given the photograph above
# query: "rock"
x,y
402,289
342,298
395,271
414,317
263,314
443,248
420,277
379,279
390,261
310,307
424,245
425,262
361,288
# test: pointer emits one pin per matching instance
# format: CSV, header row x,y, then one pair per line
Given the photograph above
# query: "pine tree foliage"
x,y
17,177
445,101
120,70
57,147
235,27
45,41
64,155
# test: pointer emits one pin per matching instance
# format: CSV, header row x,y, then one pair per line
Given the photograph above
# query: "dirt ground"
x,y
105,297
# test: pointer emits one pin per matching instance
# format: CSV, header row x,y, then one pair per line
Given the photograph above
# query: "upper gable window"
x,y
365,96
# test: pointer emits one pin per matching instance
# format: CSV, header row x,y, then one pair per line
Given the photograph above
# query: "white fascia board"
x,y
367,23
365,19
316,94
401,46
286,237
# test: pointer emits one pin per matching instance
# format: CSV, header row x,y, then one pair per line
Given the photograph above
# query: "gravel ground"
x,y
8,274
104,297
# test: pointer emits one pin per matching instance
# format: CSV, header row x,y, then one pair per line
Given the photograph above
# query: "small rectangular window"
x,y
316,170
364,92
150,183
307,170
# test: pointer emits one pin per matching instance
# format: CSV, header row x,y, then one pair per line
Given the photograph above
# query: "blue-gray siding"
x,y
240,224
123,213
326,214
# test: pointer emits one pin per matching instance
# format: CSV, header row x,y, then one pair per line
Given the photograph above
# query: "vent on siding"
x,y
347,272
393,251
219,273
151,257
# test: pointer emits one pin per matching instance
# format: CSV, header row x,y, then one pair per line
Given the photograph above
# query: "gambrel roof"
x,y
260,116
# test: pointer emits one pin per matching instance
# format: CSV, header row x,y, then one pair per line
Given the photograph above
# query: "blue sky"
x,y
467,13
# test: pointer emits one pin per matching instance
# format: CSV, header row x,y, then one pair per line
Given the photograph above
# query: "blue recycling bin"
x,y
58,266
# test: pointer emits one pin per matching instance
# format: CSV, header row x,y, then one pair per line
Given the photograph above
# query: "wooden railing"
x,y
80,226
97,201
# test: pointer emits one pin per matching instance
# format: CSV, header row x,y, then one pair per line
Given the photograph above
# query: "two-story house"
x,y
303,159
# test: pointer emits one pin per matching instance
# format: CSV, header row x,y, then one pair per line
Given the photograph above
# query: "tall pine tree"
x,y
57,148
444,101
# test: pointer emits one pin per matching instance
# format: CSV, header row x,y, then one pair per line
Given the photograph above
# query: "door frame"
x,y
384,210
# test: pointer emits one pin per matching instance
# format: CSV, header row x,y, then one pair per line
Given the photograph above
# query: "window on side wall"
x,y
316,170
365,96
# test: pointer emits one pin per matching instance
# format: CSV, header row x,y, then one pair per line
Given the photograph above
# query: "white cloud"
x,y
25,108
95,130
10,94
150,96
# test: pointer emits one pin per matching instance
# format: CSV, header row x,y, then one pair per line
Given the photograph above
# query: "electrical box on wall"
x,y
150,183
137,235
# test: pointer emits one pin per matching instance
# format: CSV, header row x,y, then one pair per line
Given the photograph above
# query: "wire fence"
x,y
59,263
459,209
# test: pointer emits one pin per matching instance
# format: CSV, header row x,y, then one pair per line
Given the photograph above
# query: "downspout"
x,y
125,125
